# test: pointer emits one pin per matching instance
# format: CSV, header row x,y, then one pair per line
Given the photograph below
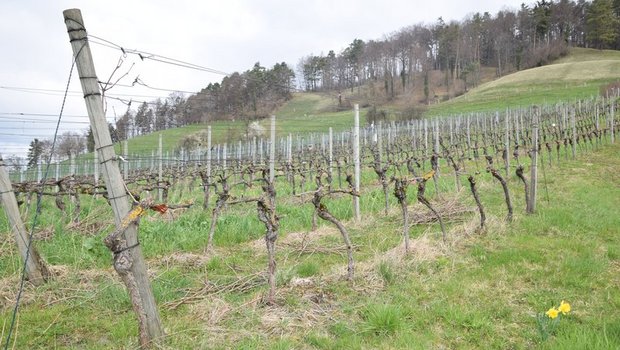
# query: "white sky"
x,y
228,36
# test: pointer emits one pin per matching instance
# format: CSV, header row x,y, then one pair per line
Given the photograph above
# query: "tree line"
x,y
250,95
510,40
399,63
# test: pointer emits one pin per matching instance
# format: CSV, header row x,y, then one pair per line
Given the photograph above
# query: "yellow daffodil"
x,y
428,175
552,313
564,307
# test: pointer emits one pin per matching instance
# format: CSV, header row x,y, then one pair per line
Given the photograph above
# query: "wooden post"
x,y
356,159
160,192
272,150
574,133
72,162
507,146
209,154
598,133
425,139
331,152
125,162
468,136
414,135
180,160
380,140
612,126
517,130
96,167
224,155
254,150
39,173
289,149
534,175
239,152
207,184
35,268
133,270
436,133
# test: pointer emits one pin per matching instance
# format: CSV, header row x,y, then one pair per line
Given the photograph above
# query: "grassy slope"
x,y
310,112
577,76
306,112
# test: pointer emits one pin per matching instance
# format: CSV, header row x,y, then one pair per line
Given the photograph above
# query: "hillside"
x,y
576,76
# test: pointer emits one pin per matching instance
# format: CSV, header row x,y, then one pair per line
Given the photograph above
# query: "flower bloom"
x,y
552,313
564,307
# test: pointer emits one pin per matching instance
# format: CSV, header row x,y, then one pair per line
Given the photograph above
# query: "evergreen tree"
x,y
34,153
113,133
124,126
90,141
602,24
144,119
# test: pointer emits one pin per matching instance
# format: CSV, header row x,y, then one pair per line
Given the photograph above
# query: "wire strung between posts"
x,y
143,55
155,57
38,211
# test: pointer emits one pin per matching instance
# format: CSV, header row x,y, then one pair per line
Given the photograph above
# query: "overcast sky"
x,y
227,36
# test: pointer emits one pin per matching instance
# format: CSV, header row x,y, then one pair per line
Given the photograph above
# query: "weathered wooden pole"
x,y
160,192
58,170
39,172
598,133
331,152
72,164
133,269
125,162
534,174
272,150
573,133
224,155
507,145
356,159
380,140
612,126
96,168
36,270
425,139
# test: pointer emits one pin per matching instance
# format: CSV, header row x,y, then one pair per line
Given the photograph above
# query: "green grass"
x,y
480,292
577,76
581,55
382,319
307,269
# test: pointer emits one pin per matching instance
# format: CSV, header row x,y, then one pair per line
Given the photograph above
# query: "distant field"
x,y
306,112
577,76
311,112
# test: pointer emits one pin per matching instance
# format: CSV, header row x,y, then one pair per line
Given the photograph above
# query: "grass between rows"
x,y
481,290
